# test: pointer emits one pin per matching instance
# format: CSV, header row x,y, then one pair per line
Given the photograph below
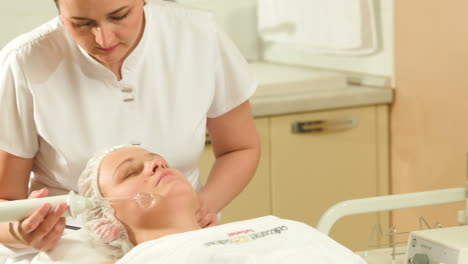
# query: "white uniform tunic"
x,y
58,105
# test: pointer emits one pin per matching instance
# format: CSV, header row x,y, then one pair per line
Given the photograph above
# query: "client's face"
x,y
129,171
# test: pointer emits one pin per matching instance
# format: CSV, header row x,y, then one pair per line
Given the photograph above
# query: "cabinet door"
x,y
255,200
313,171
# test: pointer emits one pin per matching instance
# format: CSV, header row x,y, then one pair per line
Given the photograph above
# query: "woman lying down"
x,y
168,231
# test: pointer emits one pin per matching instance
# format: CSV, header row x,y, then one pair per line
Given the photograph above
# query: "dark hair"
x,y
57,3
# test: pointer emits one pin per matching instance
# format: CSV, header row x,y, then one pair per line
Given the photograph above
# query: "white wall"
x,y
238,18
20,16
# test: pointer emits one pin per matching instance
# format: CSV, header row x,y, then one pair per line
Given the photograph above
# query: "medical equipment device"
x,y
441,245
17,210
145,200
433,246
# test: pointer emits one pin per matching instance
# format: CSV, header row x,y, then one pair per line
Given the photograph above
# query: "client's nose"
x,y
156,164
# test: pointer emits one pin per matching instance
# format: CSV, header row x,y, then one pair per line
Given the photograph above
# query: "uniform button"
x,y
126,90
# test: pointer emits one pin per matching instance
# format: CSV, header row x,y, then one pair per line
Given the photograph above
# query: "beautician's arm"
x,y
236,146
43,229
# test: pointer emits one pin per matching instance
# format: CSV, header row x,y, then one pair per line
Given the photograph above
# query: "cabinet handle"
x,y
320,126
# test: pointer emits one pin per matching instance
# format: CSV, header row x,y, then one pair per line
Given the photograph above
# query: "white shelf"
x,y
276,79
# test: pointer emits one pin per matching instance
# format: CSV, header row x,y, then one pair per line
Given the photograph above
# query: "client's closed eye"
x,y
134,171
131,174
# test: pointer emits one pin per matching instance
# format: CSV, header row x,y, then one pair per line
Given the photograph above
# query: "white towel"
x,y
16,256
265,240
75,247
344,27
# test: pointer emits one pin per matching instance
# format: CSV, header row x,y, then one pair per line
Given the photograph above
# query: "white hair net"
x,y
101,221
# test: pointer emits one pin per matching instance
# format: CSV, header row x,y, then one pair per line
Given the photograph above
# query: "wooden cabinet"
x,y
301,175
314,170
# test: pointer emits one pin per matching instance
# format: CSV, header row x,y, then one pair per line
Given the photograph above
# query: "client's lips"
x,y
109,49
163,175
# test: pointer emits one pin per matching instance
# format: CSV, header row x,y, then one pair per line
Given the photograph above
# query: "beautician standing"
x,y
112,72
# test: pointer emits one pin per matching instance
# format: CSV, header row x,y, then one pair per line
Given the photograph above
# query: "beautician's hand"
x,y
206,217
44,228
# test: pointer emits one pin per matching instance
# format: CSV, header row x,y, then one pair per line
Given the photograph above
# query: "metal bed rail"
x,y
387,203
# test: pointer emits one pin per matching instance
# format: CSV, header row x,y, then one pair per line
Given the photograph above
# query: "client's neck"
x,y
180,223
